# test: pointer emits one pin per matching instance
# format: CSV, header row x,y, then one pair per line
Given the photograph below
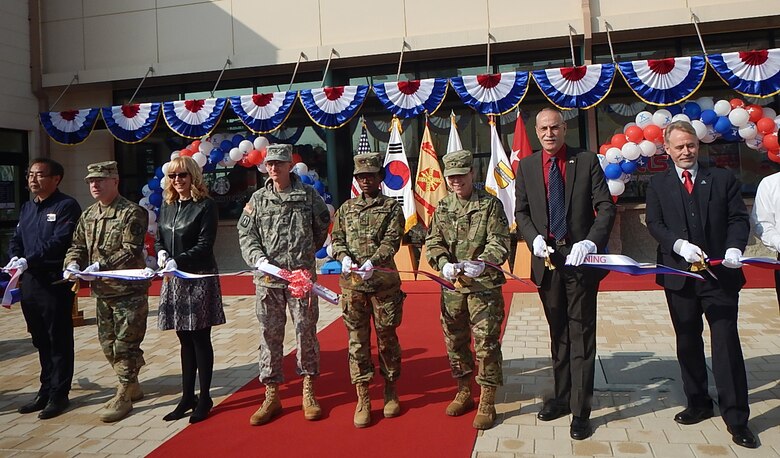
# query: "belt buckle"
x,y
561,242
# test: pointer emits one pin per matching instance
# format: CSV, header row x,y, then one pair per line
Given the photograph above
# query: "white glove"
x,y
162,256
366,271
148,272
541,250
19,264
346,265
473,269
731,260
10,263
578,252
450,271
94,267
261,261
170,265
70,271
690,252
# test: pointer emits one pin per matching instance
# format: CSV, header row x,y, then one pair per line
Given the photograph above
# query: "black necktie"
x,y
557,202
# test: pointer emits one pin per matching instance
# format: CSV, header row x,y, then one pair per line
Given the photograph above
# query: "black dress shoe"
x,y
181,409
693,415
580,428
202,410
743,436
552,410
37,404
54,407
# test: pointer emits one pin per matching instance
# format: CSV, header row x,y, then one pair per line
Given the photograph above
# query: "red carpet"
x,y
425,389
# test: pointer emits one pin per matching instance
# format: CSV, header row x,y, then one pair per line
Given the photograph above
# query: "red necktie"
x,y
687,182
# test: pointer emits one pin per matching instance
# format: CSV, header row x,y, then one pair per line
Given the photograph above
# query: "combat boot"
x,y
136,393
118,407
271,407
462,402
311,408
392,404
486,412
363,408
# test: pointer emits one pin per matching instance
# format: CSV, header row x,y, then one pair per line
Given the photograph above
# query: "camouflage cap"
x,y
106,169
457,162
367,163
278,152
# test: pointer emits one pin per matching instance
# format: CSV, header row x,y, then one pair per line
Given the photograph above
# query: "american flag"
x,y
362,148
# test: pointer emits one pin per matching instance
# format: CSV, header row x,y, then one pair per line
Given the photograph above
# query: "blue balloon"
x,y
306,179
628,167
322,253
732,135
692,110
708,117
216,155
158,172
674,109
156,199
722,125
613,171
210,166
154,184
238,138
226,145
327,197
319,187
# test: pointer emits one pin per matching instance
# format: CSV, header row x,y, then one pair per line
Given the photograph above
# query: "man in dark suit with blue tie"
x,y
564,212
696,213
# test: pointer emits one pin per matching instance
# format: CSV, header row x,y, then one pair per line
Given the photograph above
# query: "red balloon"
x,y
194,146
603,148
245,163
296,158
755,112
186,152
653,133
618,140
765,126
736,103
635,134
254,157
774,156
149,244
771,142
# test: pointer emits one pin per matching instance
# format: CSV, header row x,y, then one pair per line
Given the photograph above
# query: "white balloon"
x,y
152,228
165,167
329,250
625,128
163,183
314,175
616,187
146,191
700,128
647,147
739,117
756,142
331,209
262,168
227,162
630,151
644,119
152,215
216,139
662,118
205,147
300,169
144,202
236,154
261,142
681,117
625,178
613,155
722,107
200,159
706,103
659,148
602,161
777,123
748,131
245,146
174,155
709,138
769,113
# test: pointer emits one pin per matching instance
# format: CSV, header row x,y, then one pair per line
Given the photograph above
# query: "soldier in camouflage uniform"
x,y
469,226
110,236
367,232
284,223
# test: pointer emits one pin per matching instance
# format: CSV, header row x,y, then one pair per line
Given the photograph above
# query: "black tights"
x,y
197,356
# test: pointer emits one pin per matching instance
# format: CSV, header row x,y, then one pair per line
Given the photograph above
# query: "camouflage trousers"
x,y
386,308
271,306
479,314
121,325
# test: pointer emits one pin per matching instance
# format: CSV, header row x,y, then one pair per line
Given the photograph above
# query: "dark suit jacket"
x,y
590,211
724,218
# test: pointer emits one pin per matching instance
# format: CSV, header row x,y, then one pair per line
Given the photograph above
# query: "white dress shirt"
x,y
765,211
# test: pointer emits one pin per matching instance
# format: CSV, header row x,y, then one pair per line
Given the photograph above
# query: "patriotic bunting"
x,y
332,107
131,123
407,99
193,118
576,87
751,73
69,127
263,113
664,82
492,94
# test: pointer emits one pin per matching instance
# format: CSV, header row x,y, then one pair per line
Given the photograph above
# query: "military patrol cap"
x,y
367,163
457,162
106,169
278,152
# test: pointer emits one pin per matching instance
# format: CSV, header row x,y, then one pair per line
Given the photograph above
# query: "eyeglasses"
x,y
180,175
37,175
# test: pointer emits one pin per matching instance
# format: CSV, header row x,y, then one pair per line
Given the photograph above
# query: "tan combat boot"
x,y
118,407
486,412
363,408
271,407
311,408
392,404
462,402
136,393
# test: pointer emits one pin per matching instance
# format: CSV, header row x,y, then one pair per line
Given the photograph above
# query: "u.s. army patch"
x,y
244,221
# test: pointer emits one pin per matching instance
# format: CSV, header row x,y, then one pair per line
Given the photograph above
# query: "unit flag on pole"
x,y
500,179
398,179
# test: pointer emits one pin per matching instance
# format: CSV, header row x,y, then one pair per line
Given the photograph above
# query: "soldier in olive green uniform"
x,y
284,223
469,226
367,232
110,236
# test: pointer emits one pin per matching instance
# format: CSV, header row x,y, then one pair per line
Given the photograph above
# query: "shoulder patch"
x,y
244,221
136,228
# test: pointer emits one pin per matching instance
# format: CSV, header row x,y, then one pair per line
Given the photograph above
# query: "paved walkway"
x,y
637,388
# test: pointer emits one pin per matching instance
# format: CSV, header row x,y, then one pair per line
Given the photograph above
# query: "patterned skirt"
x,y
189,305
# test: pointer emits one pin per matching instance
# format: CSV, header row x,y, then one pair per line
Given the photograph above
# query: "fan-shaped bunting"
x,y
664,82
332,107
193,118
576,87
69,127
407,99
131,123
751,73
492,94
263,113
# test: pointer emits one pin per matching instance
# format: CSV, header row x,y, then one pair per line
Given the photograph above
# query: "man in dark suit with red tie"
x,y
564,212
696,213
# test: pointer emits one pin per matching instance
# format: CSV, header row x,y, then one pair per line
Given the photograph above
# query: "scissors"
x,y
698,266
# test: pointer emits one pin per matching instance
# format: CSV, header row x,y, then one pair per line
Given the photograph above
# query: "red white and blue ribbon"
x,y
263,113
751,73
69,127
626,265
763,263
11,293
576,87
664,82
193,118
494,94
333,107
132,123
407,99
